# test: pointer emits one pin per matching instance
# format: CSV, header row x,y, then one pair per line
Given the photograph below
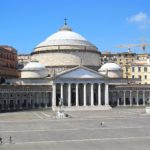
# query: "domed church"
x,y
66,49
66,67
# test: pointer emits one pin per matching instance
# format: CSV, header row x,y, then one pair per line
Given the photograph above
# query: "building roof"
x,y
8,48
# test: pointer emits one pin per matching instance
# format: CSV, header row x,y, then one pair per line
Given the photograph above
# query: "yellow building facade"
x,y
134,65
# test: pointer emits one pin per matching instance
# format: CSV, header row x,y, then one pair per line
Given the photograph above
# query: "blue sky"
x,y
106,23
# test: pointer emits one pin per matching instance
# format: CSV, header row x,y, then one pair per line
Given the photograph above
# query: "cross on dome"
x,y
65,27
65,21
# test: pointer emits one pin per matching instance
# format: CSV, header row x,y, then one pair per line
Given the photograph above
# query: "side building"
x,y
8,62
23,59
123,59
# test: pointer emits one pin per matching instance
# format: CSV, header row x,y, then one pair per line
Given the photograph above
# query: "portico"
x,y
76,90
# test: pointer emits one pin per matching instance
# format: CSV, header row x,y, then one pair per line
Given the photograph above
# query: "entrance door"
x,y
11,104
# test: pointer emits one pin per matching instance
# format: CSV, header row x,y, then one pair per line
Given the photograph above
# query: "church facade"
x,y
66,67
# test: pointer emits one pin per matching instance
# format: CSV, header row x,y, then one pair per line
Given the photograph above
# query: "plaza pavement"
x,y
123,129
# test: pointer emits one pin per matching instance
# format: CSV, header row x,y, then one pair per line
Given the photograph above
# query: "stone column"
x,y
143,98
137,98
77,94
84,94
27,100
130,98
99,94
106,94
92,94
118,102
2,104
54,95
61,91
8,101
118,99
124,98
69,94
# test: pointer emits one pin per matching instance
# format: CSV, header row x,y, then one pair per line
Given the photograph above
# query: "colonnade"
x,y
23,100
89,95
130,97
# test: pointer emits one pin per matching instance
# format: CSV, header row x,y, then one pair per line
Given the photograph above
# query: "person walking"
x,y
10,139
1,140
102,124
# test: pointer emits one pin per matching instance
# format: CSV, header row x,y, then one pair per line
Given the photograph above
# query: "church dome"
x,y
33,65
111,70
34,70
66,49
65,37
110,66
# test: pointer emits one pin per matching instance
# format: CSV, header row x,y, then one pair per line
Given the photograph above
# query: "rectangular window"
x,y
132,76
139,69
132,69
145,76
139,77
145,69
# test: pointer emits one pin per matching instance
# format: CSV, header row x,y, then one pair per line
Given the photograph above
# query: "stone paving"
x,y
122,129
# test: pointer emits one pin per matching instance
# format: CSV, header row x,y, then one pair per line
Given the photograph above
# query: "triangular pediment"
x,y
81,73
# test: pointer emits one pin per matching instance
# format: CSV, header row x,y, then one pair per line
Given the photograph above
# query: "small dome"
x,y
34,70
110,66
33,65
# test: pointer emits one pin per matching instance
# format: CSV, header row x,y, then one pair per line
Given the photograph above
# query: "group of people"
x,y
1,140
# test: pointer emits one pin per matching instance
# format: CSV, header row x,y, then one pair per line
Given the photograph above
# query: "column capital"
x,y
106,83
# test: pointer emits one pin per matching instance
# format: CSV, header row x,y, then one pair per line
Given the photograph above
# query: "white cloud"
x,y
141,19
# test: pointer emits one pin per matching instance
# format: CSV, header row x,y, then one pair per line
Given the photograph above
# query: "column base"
x,y
148,110
82,108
